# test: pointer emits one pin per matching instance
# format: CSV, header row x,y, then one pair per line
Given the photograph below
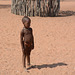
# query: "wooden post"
x,y
35,7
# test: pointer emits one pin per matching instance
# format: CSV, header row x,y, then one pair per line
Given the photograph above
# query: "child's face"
x,y
27,24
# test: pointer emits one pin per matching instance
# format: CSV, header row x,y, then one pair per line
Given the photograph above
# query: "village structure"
x,y
35,7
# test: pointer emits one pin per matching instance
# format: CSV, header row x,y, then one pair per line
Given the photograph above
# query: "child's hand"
x,y
27,44
32,46
23,50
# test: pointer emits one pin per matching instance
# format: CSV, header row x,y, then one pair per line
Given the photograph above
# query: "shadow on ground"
x,y
48,65
66,13
4,6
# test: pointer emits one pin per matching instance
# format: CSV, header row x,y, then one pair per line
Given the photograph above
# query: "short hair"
x,y
26,18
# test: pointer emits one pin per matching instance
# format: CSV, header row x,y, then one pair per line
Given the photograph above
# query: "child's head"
x,y
26,21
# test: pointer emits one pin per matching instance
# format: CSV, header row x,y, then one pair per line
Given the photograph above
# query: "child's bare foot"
x,y
26,69
29,66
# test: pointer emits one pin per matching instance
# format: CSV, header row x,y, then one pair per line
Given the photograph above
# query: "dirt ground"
x,y
54,42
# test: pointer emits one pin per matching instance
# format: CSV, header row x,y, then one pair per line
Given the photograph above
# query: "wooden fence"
x,y
33,7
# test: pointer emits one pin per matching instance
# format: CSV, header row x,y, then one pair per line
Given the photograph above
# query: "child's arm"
x,y
32,40
21,39
33,43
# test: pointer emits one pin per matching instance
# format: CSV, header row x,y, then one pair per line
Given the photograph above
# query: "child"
x,y
27,40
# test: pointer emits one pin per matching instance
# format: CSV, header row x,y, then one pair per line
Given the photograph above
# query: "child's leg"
x,y
24,60
28,59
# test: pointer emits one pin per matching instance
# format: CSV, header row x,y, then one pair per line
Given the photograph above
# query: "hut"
x,y
35,7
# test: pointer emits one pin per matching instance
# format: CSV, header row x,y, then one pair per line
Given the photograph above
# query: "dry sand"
x,y
54,52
